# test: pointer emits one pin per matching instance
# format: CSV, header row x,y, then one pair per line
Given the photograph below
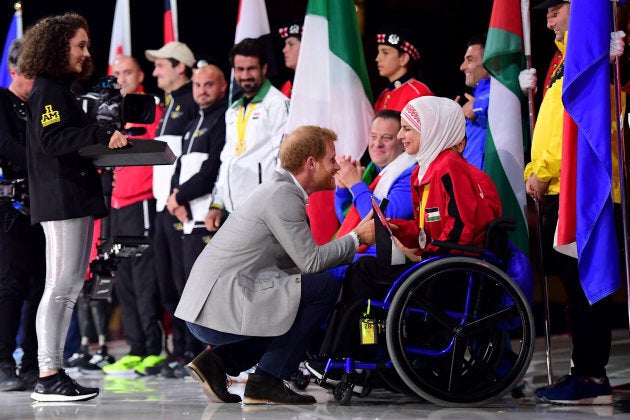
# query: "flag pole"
x,y
621,150
532,121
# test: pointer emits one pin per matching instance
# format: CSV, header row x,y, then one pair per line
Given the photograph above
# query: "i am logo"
x,y
50,116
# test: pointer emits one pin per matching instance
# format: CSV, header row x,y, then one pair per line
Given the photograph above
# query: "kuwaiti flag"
x,y
121,33
504,163
586,98
331,89
171,32
14,32
252,22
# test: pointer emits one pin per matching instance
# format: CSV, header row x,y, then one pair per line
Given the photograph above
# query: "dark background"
x,y
442,28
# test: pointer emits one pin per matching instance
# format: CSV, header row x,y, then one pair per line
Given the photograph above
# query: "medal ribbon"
x,y
241,126
423,205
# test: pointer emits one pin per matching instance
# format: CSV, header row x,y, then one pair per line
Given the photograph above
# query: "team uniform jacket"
x,y
239,175
207,134
12,137
399,92
475,150
62,184
462,201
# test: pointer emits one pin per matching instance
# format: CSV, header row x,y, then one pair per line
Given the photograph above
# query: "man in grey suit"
x,y
259,290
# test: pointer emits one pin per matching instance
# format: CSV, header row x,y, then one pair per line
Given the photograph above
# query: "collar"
x,y
399,82
184,89
483,83
260,95
222,104
295,181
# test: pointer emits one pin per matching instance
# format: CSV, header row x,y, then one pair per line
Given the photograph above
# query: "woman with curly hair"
x,y
65,189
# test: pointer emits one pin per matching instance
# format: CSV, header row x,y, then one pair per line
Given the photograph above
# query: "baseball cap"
x,y
174,49
550,3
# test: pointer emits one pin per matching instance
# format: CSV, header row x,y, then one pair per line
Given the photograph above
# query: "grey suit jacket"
x,y
247,279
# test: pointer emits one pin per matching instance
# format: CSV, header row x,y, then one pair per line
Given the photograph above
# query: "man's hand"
x,y
468,107
213,220
350,172
172,204
175,209
536,188
527,79
365,230
617,44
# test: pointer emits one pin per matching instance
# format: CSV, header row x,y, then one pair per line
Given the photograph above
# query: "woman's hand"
x,y
409,252
117,140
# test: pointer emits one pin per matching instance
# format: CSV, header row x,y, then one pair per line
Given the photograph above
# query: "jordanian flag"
x,y
331,89
504,60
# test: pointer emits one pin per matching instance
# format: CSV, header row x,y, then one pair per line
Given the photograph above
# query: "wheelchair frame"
x,y
475,332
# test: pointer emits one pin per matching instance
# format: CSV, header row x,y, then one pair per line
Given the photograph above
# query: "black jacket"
x,y
207,134
62,184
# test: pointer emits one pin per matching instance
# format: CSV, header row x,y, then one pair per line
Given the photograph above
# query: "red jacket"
x,y
395,98
461,202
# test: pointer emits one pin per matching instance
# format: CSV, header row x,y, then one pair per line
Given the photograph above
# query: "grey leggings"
x,y
68,244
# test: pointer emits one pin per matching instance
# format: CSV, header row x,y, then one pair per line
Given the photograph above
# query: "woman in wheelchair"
x,y
453,201
452,329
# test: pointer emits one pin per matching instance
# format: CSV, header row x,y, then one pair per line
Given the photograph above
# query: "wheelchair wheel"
x,y
460,332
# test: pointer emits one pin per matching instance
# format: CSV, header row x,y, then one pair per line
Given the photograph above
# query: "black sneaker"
x,y
10,381
263,389
77,360
29,376
99,359
63,388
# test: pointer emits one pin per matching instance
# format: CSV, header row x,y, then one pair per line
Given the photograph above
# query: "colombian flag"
x,y
587,149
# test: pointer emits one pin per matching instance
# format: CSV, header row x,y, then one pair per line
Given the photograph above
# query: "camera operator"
x,y
22,250
132,214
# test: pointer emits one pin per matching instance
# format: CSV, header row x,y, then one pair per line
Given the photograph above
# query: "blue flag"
x,y
15,31
586,95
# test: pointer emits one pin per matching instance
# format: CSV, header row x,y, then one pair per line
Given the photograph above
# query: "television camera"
x,y
109,108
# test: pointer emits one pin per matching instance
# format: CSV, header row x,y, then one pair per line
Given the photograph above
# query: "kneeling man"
x,y
259,290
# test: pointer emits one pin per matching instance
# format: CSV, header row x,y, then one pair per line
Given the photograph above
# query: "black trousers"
x,y
136,283
589,325
168,246
22,276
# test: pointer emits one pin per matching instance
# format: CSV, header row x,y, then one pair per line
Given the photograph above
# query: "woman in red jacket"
x,y
453,201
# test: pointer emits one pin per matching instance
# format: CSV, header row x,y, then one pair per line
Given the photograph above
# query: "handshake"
x,y
527,78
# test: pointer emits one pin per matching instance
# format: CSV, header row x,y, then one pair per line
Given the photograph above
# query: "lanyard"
x,y
241,126
423,205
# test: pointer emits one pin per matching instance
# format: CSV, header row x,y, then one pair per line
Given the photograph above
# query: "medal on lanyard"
x,y
422,235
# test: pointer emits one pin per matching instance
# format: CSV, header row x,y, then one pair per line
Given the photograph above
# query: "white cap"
x,y
174,49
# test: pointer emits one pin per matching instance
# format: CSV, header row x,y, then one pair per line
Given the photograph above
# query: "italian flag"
x,y
504,59
331,89
331,86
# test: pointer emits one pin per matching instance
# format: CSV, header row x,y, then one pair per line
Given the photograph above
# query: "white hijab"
x,y
441,124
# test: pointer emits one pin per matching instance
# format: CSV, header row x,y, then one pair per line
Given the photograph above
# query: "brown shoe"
x,y
208,369
263,389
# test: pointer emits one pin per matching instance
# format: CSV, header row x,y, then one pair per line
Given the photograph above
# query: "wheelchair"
x,y
454,330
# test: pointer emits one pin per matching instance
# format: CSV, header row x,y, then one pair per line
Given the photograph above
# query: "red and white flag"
x,y
121,33
171,32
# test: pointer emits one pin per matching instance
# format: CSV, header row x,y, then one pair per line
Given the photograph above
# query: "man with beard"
x,y
259,290
254,129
